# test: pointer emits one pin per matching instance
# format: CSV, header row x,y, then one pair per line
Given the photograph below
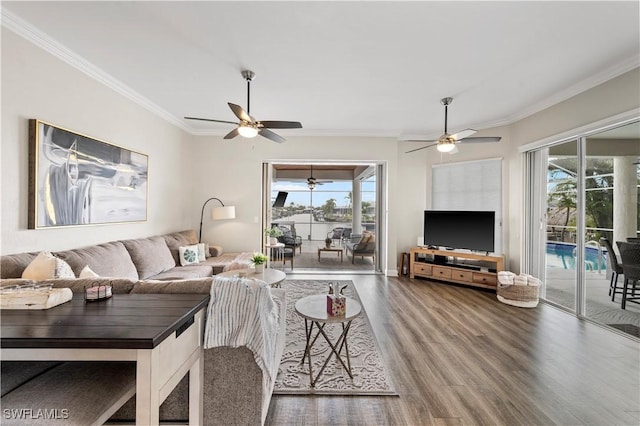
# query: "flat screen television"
x,y
472,230
280,199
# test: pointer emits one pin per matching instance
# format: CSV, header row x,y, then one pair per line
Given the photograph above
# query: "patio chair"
x,y
630,255
291,242
614,265
336,234
361,245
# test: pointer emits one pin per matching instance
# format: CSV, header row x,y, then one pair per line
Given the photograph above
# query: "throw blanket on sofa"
x,y
242,313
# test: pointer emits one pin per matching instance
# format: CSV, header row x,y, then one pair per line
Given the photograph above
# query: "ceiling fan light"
x,y
445,146
247,131
311,185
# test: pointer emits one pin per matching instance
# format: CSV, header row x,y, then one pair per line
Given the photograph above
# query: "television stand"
x,y
451,271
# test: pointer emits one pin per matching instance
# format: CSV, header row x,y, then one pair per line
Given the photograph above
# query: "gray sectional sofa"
x,y
233,391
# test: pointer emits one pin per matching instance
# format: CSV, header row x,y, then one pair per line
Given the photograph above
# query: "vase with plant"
x,y
273,233
258,260
327,242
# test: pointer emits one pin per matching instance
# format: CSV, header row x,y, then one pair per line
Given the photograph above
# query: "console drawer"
x,y
462,275
440,272
422,269
488,279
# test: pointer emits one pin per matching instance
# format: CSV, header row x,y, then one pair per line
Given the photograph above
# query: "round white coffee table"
x,y
273,277
314,311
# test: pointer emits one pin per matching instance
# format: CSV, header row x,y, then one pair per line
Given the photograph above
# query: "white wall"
x,y
609,99
232,171
616,96
37,85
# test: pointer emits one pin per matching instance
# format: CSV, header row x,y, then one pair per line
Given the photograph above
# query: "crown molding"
x,y
610,73
53,47
27,31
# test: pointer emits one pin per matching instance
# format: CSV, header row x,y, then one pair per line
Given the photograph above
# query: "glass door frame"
x,y
532,203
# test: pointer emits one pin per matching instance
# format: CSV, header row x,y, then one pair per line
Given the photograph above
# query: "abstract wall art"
x,y
77,180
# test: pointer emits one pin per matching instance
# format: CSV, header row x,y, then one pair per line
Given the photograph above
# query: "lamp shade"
x,y
223,212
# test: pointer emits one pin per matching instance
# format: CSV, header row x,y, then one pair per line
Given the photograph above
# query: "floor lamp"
x,y
217,213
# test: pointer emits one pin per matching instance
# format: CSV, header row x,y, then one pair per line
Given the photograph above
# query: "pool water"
x,y
562,255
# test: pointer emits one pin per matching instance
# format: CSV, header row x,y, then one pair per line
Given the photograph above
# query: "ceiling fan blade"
x,y
240,113
416,140
418,149
209,119
232,134
482,139
271,135
463,134
281,124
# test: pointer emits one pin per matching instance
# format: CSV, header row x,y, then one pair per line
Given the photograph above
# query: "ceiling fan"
x,y
447,142
248,126
312,182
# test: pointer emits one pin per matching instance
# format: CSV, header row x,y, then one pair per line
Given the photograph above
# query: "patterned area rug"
x,y
370,376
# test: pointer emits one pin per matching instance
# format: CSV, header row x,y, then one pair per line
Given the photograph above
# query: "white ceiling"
x,y
341,68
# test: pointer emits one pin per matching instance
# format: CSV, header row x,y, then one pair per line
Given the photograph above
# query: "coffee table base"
x,y
341,341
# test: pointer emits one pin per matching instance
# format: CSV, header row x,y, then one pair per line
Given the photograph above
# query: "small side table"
x,y
276,251
314,311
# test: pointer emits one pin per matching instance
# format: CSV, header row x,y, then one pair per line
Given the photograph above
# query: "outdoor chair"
x,y
614,265
361,245
630,255
336,234
290,241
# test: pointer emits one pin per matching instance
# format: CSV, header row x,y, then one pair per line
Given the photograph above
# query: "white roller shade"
x,y
473,185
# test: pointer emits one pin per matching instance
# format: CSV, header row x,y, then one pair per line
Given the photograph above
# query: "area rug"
x,y
370,376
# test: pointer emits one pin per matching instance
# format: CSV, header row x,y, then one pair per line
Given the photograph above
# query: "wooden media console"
x,y
455,270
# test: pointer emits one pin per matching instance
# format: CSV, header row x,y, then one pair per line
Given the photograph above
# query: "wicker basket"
x,y
523,296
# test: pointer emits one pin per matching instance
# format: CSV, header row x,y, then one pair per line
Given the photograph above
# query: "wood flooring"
x,y
457,356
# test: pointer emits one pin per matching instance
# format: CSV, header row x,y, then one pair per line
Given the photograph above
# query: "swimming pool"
x,y
562,255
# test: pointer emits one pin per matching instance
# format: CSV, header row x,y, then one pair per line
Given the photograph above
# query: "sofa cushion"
x,y
150,255
218,263
180,239
184,273
198,286
107,260
118,285
12,265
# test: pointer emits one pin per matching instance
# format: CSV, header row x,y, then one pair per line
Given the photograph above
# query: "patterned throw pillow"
x,y
46,266
63,270
188,255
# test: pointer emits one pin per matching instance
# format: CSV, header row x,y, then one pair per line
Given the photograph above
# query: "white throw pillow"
x,y
188,255
201,252
88,273
46,266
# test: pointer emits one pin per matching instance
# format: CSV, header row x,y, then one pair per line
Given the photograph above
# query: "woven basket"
x,y
523,296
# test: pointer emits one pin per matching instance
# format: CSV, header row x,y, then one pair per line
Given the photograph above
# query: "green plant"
x,y
328,240
258,258
273,232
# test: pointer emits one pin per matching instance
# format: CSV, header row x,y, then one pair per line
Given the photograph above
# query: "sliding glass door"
x,y
582,194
